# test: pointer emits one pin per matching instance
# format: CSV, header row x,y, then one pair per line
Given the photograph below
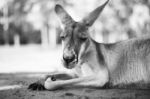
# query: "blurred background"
x,y
29,29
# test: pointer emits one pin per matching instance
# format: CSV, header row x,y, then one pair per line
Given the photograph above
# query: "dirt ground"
x,y
34,59
24,79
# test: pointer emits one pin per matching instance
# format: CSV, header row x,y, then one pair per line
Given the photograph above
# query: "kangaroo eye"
x,y
83,38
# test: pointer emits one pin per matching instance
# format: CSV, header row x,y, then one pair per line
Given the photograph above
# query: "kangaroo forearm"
x,y
62,75
83,81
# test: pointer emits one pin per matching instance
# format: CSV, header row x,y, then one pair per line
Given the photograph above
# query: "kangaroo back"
x,y
129,61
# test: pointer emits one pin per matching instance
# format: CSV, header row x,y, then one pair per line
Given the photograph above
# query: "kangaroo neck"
x,y
92,58
93,55
99,52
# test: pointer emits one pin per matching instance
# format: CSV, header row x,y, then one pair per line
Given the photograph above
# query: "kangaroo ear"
x,y
65,18
90,19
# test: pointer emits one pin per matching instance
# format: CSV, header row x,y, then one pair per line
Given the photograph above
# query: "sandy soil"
x,y
36,59
24,79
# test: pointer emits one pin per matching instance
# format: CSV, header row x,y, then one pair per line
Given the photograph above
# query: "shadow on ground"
x,y
24,79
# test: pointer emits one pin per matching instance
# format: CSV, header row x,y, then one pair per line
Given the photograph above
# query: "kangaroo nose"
x,y
69,58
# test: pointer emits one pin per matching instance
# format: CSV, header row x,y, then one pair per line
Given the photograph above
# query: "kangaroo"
x,y
93,64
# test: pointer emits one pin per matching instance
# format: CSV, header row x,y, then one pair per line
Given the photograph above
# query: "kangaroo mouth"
x,y
71,64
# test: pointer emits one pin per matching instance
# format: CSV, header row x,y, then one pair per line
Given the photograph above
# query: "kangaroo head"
x,y
75,37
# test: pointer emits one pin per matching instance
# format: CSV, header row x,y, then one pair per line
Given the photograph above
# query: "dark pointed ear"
x,y
63,15
90,19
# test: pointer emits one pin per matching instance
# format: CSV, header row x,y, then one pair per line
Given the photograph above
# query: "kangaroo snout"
x,y
68,58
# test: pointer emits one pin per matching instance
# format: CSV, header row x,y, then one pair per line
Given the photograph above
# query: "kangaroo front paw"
x,y
36,86
39,85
